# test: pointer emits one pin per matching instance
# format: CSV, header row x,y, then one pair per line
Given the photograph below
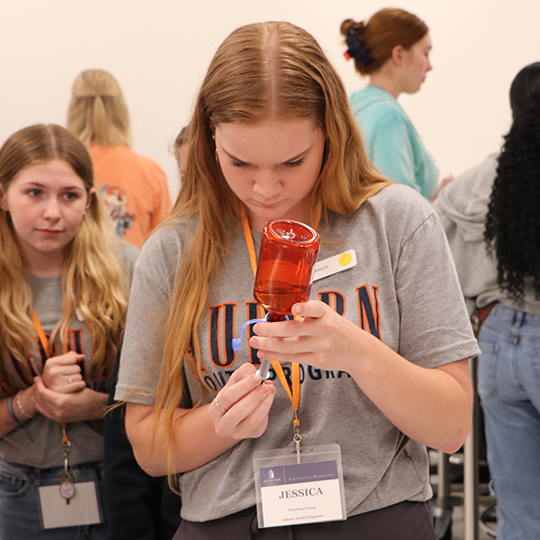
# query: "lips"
x,y
266,205
50,231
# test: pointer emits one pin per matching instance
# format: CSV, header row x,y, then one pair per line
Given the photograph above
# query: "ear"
x,y
397,55
91,195
3,201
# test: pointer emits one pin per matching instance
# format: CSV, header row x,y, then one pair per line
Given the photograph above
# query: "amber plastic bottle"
x,y
289,249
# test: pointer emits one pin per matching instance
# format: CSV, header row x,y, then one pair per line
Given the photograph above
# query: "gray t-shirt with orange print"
x,y
404,290
39,442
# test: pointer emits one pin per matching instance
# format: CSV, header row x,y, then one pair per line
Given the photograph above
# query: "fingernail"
x,y
254,342
263,389
257,328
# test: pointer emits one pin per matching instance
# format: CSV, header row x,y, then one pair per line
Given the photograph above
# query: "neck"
x,y
384,81
45,264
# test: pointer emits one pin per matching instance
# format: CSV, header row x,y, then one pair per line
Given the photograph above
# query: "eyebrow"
x,y
290,160
38,184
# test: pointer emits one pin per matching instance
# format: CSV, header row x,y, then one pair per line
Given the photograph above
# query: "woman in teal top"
x,y
392,48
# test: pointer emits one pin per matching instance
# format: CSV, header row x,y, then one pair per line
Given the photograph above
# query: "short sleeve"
x,y
151,290
435,327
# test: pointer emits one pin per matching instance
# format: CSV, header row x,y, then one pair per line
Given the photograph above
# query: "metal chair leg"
x,y
470,470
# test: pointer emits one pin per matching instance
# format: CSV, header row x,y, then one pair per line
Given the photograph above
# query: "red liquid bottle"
x,y
288,252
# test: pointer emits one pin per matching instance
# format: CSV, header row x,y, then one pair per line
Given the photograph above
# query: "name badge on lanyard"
x,y
68,503
292,493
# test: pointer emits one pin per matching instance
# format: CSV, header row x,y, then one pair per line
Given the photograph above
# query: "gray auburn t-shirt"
x,y
404,290
39,442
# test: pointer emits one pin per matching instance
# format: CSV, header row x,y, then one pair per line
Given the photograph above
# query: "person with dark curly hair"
x,y
490,215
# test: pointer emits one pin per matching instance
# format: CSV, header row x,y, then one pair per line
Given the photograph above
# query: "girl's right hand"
x,y
73,406
240,410
63,373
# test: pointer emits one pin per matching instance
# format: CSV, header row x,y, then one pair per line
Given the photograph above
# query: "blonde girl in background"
x,y
378,358
134,187
65,281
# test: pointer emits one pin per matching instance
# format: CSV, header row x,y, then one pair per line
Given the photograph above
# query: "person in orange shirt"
x,y
133,187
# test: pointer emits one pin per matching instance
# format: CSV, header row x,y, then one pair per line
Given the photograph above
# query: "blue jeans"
x,y
509,388
19,502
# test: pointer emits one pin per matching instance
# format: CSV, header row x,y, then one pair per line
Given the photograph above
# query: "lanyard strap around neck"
x,y
249,241
293,390
45,344
42,337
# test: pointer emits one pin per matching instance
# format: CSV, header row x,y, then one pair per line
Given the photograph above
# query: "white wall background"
x,y
159,51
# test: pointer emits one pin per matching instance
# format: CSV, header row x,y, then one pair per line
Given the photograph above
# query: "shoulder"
x,y
388,219
123,156
398,203
161,252
129,254
146,162
468,194
376,106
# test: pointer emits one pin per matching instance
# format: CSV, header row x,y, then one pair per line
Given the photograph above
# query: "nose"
x,y
266,184
52,209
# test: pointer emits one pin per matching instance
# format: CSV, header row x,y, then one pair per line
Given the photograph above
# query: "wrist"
x,y
24,404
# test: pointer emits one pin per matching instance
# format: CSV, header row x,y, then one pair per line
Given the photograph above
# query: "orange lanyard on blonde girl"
x,y
66,443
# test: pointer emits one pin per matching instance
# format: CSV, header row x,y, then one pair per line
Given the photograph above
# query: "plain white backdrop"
x,y
159,52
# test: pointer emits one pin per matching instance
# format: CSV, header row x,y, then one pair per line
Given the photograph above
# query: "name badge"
x,y
80,508
335,264
292,493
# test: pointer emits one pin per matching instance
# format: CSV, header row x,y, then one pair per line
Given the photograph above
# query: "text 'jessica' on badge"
x,y
291,493
335,264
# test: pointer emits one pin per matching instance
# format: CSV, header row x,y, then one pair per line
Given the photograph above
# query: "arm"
x,y
431,406
26,399
203,433
423,319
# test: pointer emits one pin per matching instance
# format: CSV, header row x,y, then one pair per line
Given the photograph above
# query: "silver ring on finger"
x,y
216,403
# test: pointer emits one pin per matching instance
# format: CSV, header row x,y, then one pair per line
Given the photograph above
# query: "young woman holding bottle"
x,y
379,355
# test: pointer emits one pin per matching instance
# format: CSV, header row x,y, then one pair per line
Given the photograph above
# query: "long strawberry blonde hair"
x,y
93,279
272,68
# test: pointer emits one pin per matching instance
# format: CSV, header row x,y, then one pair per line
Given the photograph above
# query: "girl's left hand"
x,y
86,404
322,338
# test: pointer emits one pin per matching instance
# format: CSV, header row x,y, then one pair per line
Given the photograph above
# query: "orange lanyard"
x,y
45,344
293,391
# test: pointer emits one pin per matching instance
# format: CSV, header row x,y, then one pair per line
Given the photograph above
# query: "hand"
x,y
63,373
322,338
245,403
445,181
61,407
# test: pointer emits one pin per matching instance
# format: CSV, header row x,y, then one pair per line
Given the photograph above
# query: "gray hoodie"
x,y
462,207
